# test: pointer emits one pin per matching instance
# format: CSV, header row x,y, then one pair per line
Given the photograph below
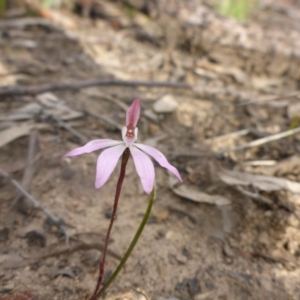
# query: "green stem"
x,y
2,7
131,246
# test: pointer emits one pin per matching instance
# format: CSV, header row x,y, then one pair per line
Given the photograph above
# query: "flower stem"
x,y
131,246
125,158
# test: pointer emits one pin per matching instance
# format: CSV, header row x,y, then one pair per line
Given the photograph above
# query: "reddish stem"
x,y
125,158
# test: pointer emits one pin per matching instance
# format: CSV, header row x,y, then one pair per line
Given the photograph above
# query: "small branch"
x,y
104,118
82,246
68,250
265,100
255,196
75,132
231,135
35,90
256,163
263,140
29,170
185,213
255,143
33,146
223,92
21,23
57,221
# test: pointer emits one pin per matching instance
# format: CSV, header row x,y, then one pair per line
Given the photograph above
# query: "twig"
x,y
82,246
75,132
35,90
265,163
220,93
29,169
276,98
231,135
68,250
57,221
192,154
21,23
254,143
263,140
32,148
181,211
106,119
255,196
113,98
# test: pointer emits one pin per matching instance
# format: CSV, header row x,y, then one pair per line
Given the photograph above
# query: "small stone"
x,y
166,104
268,213
153,129
35,238
67,173
108,213
169,235
7,288
204,296
4,234
293,221
161,214
263,238
181,259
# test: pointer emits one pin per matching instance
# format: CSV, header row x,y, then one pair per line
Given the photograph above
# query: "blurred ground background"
x,y
227,116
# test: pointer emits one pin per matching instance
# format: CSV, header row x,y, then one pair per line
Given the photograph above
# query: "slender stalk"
x,y
131,246
125,158
2,7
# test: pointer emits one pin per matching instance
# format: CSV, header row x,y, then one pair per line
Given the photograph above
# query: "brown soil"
x,y
244,250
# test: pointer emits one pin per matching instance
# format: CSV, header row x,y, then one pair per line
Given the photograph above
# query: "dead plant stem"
x,y
35,90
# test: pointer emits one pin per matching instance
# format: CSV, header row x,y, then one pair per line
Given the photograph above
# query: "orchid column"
x,y
107,162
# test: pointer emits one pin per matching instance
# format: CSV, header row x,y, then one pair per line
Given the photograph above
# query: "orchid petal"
x,y
93,146
160,158
106,163
133,113
144,167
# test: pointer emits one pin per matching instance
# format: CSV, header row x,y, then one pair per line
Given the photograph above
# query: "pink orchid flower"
x,y
108,159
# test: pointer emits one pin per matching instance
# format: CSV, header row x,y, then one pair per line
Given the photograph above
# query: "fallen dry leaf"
x,y
262,182
191,193
13,133
24,113
52,106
